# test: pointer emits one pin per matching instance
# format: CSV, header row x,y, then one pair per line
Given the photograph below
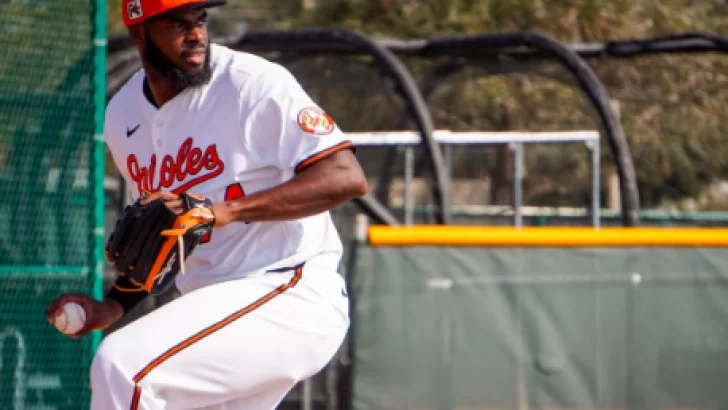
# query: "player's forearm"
x,y
316,190
115,310
292,200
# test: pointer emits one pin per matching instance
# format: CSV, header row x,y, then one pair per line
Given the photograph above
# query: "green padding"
x,y
476,328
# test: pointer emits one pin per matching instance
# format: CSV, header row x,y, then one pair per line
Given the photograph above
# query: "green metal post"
x,y
97,179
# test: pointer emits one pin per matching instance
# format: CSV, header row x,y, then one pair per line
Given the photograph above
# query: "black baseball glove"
x,y
150,243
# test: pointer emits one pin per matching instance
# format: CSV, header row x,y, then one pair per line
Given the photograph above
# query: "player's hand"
x,y
99,315
172,201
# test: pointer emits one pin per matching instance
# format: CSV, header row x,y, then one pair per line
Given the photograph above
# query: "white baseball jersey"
x,y
251,128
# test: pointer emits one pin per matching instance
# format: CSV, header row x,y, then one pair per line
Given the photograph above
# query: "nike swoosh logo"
x,y
130,132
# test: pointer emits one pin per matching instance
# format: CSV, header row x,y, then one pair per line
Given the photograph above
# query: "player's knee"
x,y
110,363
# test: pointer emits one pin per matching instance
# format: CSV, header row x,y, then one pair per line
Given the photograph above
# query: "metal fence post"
x,y
409,171
517,148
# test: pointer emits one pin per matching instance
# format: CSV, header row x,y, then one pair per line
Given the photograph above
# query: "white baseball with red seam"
x,y
71,319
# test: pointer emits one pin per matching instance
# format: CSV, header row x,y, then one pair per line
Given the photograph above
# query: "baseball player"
x,y
262,304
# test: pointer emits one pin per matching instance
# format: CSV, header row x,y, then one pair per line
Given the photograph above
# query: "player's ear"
x,y
137,33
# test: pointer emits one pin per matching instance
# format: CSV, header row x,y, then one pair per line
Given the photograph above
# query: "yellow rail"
x,y
436,235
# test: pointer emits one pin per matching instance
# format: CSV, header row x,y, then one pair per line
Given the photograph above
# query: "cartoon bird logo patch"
x,y
315,121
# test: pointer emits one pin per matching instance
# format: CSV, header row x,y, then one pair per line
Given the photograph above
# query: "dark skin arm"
x,y
325,185
328,183
99,315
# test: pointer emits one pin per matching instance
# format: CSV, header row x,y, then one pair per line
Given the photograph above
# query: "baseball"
x,y
71,319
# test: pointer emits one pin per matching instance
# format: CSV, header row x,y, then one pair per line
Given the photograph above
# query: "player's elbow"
x,y
357,184
350,184
351,179
339,178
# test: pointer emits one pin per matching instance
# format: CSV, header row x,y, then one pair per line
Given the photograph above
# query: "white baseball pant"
x,y
241,344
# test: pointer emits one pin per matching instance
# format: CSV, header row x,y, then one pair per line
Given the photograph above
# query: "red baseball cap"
x,y
136,11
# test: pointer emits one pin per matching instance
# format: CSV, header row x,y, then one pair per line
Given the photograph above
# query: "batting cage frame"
x,y
515,49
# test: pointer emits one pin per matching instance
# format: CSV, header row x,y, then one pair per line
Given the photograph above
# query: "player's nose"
x,y
195,35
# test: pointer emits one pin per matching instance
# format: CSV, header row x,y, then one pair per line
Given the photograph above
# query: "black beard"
x,y
172,71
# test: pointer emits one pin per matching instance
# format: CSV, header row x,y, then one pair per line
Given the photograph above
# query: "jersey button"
x,y
160,123
159,143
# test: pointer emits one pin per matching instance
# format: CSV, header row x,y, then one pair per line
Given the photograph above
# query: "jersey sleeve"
x,y
286,128
112,140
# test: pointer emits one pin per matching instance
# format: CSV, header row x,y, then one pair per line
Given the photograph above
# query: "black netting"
x,y
675,116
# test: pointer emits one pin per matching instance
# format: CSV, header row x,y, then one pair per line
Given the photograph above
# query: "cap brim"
x,y
192,6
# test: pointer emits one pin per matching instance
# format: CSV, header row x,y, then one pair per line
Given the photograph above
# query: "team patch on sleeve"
x,y
315,121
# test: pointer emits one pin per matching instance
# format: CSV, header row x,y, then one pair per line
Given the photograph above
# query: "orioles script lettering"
x,y
189,162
